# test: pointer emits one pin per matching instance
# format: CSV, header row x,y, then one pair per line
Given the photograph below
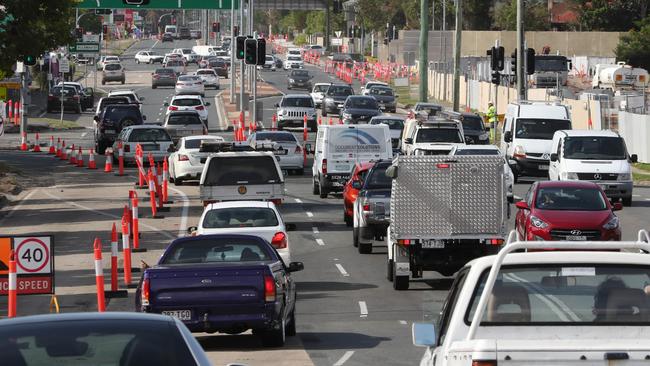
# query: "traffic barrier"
x,y
114,292
64,152
139,161
23,143
234,129
51,150
159,193
73,157
99,276
274,122
165,182
108,166
13,288
330,121
120,158
58,148
11,110
91,159
304,138
320,120
37,144
126,252
80,158
152,196
135,224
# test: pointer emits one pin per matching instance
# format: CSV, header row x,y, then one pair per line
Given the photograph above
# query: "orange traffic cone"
x,y
52,150
108,167
73,158
91,160
23,144
37,144
80,158
64,152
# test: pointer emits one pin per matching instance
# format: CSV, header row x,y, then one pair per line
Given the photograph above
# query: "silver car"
x,y
292,110
184,123
290,156
153,139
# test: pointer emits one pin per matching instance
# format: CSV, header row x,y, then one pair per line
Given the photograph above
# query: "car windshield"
x,y
184,119
321,88
165,71
299,73
473,123
465,152
148,135
106,101
206,72
540,129
586,294
242,170
297,102
363,103
339,90
438,135
112,67
239,217
67,91
186,50
570,199
189,78
393,124
216,251
377,179
186,102
381,91
196,143
294,58
116,113
276,137
174,63
594,148
93,342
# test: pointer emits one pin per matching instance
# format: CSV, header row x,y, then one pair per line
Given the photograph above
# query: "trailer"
x,y
619,76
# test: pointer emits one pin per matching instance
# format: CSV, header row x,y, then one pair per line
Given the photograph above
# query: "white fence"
x,y
635,129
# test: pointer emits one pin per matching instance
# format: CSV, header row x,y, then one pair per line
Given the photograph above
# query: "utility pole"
x,y
521,51
444,51
241,63
457,46
424,50
251,21
328,26
233,43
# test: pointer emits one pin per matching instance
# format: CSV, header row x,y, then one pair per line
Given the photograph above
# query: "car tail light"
x,y
495,241
404,242
442,166
484,363
172,108
127,148
199,108
182,157
155,76
76,97
52,97
324,166
366,207
146,291
277,201
269,289
298,150
279,240
519,152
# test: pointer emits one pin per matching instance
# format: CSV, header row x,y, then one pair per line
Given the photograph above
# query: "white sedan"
x,y
190,84
148,57
188,103
187,161
209,77
290,157
258,218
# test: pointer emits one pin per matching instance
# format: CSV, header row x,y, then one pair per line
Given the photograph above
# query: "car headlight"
x,y
279,113
291,80
347,115
519,152
569,176
537,222
483,136
611,224
625,176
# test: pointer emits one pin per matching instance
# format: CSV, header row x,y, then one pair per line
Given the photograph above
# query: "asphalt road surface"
x,y
347,312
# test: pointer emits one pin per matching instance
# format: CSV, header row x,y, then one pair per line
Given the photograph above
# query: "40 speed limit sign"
x,y
34,264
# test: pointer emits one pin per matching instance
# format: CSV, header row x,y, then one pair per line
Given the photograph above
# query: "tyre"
x,y
627,201
274,337
347,219
123,81
322,192
400,283
178,182
365,248
153,86
315,189
100,147
355,237
137,61
290,330
103,82
323,112
78,110
389,270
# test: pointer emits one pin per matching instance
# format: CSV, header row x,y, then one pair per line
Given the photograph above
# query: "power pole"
x,y
328,26
457,46
233,65
521,51
424,49
241,64
444,51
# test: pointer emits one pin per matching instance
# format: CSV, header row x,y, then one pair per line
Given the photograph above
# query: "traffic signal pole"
x,y
242,64
457,46
521,71
424,50
233,66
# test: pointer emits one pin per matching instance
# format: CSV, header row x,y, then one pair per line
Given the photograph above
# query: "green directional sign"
x,y
158,4
84,48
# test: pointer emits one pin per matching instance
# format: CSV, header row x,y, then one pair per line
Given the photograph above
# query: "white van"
x,y
340,147
528,129
173,30
597,156
203,50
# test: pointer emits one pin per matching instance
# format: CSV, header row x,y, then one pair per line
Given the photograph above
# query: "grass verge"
x,y
57,124
643,166
640,177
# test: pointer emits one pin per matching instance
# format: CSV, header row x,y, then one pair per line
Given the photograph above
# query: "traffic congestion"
x,y
342,226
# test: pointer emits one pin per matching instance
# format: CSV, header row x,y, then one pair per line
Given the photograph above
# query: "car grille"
x,y
597,176
534,155
294,114
564,234
395,143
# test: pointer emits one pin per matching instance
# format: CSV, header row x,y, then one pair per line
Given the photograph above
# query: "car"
x,y
113,72
317,93
173,56
358,109
113,119
204,61
269,64
385,96
195,34
71,99
106,60
186,102
371,213
334,98
186,161
293,62
188,55
178,65
292,110
219,66
461,150
567,210
299,79
290,156
244,285
431,109
351,190
104,101
366,88
278,62
316,48
189,84
153,139
133,96
135,339
148,57
257,218
87,95
209,77
476,133
172,29
436,136
167,37
395,124
184,33
184,123
163,77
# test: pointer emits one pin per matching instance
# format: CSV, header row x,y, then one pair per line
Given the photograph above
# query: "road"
x,y
347,312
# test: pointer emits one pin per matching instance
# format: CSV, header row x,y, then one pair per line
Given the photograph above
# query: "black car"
x,y
110,100
473,128
163,77
334,98
112,120
167,37
278,62
71,99
87,95
385,97
359,108
219,66
184,33
299,79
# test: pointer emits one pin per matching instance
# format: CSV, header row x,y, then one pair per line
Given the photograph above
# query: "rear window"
x,y
116,113
216,251
377,179
472,123
393,124
186,102
364,103
438,135
189,78
68,91
184,119
107,101
382,91
148,135
295,58
298,102
242,170
240,217
206,72
196,143
165,71
339,90
276,137
321,88
112,67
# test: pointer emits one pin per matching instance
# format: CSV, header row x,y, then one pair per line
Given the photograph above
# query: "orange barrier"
x,y
108,166
126,251
58,148
23,143
64,153
120,158
114,291
91,159
73,157
51,150
139,161
80,158
37,144
165,182
135,223
152,196
99,276
13,286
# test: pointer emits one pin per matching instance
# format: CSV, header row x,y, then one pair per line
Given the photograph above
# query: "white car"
x,y
293,62
487,150
187,161
106,60
172,56
318,92
153,138
178,65
188,103
133,97
209,77
258,218
187,54
148,57
365,90
269,64
290,156
190,84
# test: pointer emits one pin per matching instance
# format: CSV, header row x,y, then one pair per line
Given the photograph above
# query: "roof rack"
x,y
224,146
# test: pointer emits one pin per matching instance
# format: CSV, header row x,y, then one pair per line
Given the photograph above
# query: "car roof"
x,y
120,92
297,96
317,84
203,137
230,204
68,317
566,184
146,125
274,133
387,116
355,96
565,258
589,133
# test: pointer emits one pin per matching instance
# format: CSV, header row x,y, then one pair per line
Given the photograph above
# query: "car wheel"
x,y
137,61
178,182
315,189
355,237
103,82
153,87
347,219
100,147
324,112
627,201
274,337
78,110
400,283
365,248
123,81
389,270
322,191
291,327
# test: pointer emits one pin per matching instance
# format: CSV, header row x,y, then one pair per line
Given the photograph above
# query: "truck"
x,y
444,212
533,305
551,71
619,76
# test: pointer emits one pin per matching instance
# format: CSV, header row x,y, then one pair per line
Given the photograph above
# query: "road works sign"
x,y
34,264
158,4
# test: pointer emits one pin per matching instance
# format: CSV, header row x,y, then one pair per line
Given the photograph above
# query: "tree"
x,y
536,17
634,48
476,14
37,26
611,15
91,23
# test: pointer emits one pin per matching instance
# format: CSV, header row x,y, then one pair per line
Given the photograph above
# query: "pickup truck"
x,y
223,283
371,213
588,306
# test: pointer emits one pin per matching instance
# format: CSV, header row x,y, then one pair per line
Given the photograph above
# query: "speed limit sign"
x,y
33,255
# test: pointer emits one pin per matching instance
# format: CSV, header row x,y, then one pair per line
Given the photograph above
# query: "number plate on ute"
x,y
433,244
576,238
179,314
543,167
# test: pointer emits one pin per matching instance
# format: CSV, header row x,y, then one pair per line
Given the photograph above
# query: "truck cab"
x,y
597,156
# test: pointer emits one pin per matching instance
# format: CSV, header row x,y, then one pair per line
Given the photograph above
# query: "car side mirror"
x,y
192,229
141,98
522,205
290,227
277,105
144,118
634,158
296,266
424,334
554,157
207,104
408,140
171,148
90,91
166,104
507,136
391,172
356,184
617,206
96,118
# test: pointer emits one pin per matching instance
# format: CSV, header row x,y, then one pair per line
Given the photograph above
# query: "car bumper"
x,y
189,90
615,189
531,166
185,170
334,182
296,122
300,85
292,161
547,234
113,77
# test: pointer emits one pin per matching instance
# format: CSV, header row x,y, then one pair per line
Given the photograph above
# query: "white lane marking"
x,y
298,200
320,241
363,309
310,214
647,199
154,45
636,195
315,230
403,322
182,228
15,208
346,356
42,114
342,270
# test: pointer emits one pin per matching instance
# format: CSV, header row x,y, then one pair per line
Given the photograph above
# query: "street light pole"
x,y
424,49
233,66
241,64
521,71
457,46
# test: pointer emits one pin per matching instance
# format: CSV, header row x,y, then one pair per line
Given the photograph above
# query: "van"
x,y
340,147
172,30
597,156
527,135
204,50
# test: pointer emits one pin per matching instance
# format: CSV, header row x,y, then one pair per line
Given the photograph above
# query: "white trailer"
x,y
619,76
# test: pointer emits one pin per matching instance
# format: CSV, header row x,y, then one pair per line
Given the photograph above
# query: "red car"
x,y
351,190
567,210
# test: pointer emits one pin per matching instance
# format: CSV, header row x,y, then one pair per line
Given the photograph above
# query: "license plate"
x,y
576,238
342,167
433,244
150,147
179,314
280,152
109,131
543,167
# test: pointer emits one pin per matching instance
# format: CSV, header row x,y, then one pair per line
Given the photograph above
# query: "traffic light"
x,y
491,52
250,51
79,32
530,61
241,40
513,62
496,78
500,58
29,60
261,51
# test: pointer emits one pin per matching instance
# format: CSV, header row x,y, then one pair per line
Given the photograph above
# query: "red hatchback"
x,y
351,190
567,210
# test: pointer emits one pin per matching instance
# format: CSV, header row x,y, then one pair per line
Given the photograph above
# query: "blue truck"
x,y
223,283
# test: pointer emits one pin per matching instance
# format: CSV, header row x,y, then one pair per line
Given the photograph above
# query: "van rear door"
x,y
355,144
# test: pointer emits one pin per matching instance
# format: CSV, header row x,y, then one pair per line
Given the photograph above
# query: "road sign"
x,y
5,253
84,48
158,4
64,65
337,41
338,34
32,255
34,264
90,38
